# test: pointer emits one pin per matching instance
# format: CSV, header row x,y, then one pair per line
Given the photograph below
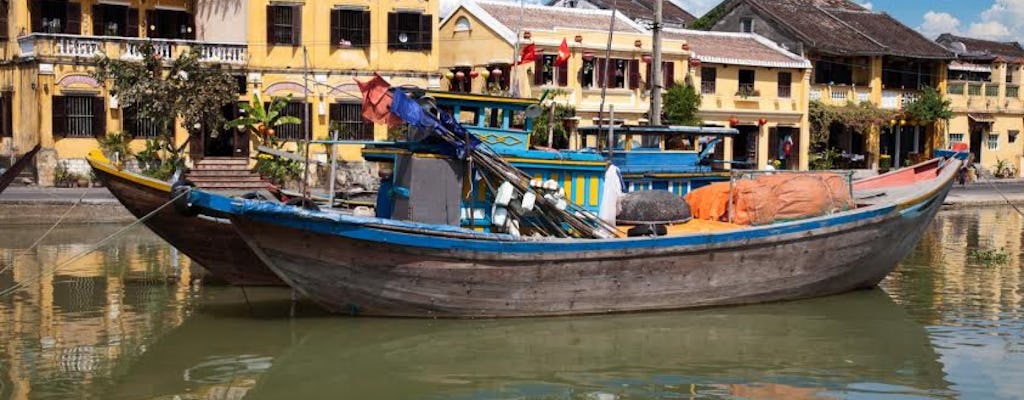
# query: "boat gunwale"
x,y
98,161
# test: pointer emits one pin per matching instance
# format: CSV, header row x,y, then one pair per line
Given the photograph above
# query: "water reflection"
x,y
974,309
75,327
113,326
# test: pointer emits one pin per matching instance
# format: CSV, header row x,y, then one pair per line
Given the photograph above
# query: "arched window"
x,y
462,24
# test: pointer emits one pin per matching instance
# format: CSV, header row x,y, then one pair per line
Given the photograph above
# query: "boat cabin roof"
x,y
482,100
641,130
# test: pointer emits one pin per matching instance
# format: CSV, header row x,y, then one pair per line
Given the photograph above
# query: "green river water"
x,y
126,323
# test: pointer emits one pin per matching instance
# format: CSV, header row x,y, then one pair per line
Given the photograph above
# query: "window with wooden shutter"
x,y
668,71
58,119
113,20
132,23
602,65
347,120
563,75
296,25
586,75
4,10
74,15
708,80
634,74
785,85
6,114
55,16
410,31
350,28
499,81
99,117
538,71
281,24
78,116
170,24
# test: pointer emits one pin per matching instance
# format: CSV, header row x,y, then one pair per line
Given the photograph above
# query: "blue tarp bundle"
x,y
444,127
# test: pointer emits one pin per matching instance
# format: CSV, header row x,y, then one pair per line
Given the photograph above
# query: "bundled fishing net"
x,y
653,206
774,198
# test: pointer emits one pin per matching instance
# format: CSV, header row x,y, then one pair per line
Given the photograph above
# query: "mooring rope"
x,y
1001,194
101,243
45,234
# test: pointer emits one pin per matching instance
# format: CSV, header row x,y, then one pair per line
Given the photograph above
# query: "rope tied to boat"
x,y
45,234
20,285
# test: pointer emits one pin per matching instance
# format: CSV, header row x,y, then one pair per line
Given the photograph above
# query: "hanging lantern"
x,y
892,122
647,58
485,73
527,35
449,75
496,72
638,43
762,121
694,62
685,46
579,39
473,74
733,121
588,55
903,122
459,75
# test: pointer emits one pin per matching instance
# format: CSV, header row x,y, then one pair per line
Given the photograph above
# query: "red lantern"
x,y
460,75
473,74
527,35
647,58
685,46
762,121
588,55
694,62
638,43
579,39
496,72
733,121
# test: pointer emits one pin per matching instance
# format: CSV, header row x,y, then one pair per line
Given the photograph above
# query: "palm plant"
x,y
260,120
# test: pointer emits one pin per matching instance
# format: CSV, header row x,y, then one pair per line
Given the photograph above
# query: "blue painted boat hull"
x,y
372,266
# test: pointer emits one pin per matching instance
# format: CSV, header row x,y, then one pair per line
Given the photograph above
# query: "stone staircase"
x,y
226,175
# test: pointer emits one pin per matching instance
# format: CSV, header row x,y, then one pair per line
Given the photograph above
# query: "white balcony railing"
x,y
840,95
863,95
224,53
132,49
815,94
890,99
76,47
62,45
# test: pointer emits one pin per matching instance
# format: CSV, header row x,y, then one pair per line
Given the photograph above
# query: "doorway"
x,y
744,144
978,132
226,143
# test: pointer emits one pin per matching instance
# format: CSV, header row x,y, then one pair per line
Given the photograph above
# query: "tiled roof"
x,y
979,49
736,48
548,18
644,9
842,27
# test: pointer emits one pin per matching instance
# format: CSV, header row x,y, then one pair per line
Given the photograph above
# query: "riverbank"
x,y
29,205
987,193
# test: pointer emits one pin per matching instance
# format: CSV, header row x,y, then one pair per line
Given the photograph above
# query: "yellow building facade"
x,y
479,43
311,50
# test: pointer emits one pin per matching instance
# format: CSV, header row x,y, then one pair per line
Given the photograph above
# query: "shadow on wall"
x,y
223,16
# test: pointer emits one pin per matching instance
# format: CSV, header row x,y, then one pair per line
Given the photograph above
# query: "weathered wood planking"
x,y
388,268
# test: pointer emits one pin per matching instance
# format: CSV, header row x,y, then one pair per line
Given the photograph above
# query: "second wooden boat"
x,y
211,242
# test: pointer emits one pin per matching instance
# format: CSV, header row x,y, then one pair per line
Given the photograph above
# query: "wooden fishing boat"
x,y
8,176
211,242
375,266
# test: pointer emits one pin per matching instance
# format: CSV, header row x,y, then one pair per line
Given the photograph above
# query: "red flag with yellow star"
x,y
563,54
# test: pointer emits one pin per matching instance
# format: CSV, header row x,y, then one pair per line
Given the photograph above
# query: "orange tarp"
x,y
772,198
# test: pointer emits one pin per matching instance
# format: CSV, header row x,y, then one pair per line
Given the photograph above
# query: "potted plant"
x,y
884,162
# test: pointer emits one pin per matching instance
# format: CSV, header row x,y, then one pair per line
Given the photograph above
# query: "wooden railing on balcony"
x,y
61,45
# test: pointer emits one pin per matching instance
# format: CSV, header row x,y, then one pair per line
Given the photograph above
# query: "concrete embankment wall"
x,y
42,212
